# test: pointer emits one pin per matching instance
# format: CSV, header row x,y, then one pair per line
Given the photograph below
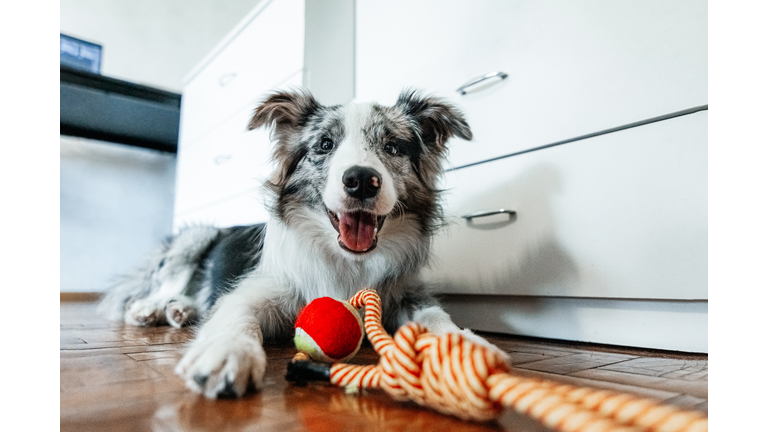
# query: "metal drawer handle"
x,y
484,213
478,80
227,78
220,159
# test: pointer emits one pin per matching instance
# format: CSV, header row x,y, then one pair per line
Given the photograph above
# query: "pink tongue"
x,y
356,230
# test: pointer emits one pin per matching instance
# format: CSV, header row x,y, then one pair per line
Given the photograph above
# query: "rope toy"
x,y
456,376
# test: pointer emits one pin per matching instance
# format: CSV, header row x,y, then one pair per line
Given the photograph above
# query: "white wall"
x,y
151,42
116,205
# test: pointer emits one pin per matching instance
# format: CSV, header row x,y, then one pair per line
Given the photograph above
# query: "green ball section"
x,y
304,342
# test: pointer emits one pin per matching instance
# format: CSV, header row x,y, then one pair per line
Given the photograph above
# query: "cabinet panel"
x,y
573,67
655,324
622,215
244,209
263,55
228,161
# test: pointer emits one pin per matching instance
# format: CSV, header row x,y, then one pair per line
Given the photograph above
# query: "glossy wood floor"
x,y
120,378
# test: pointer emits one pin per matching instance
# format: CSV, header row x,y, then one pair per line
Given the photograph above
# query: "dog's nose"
x,y
361,182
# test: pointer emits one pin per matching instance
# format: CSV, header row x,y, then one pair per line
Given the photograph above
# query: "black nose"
x,y
361,182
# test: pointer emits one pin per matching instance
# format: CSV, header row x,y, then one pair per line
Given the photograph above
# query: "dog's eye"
x,y
326,145
391,149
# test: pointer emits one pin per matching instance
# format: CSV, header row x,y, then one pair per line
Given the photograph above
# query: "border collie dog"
x,y
353,204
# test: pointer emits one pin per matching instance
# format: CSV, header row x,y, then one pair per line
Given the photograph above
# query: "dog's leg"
x,y
437,321
227,353
145,313
141,297
151,311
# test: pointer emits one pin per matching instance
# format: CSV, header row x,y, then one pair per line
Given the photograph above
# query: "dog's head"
x,y
359,170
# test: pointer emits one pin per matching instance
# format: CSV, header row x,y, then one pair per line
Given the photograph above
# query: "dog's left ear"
x,y
438,120
284,110
288,112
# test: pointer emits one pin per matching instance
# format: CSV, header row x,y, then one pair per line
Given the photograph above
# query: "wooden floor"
x,y
120,378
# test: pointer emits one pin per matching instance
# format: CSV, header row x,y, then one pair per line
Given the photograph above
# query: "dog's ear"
x,y
288,112
284,110
438,120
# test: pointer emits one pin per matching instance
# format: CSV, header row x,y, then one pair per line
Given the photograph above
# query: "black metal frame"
x,y
108,109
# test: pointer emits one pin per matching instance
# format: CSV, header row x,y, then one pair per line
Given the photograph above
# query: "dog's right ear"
x,y
284,110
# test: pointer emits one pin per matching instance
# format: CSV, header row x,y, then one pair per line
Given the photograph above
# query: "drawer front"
x,y
573,67
264,55
226,162
244,209
622,215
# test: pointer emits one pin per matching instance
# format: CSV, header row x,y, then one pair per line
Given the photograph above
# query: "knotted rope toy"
x,y
459,377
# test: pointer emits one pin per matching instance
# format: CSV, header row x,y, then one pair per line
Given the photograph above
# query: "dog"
x,y
353,204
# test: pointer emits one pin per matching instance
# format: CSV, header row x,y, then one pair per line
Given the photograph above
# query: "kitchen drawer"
x,y
244,209
225,162
228,162
573,68
622,215
246,68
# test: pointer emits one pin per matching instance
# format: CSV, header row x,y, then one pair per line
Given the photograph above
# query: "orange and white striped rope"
x,y
456,376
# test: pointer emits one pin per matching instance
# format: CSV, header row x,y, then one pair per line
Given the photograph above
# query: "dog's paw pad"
x,y
145,314
179,313
229,391
200,379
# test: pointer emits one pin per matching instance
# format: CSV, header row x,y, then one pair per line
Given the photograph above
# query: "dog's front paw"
x,y
144,313
479,340
223,366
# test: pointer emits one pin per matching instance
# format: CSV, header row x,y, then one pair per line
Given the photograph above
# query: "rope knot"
x,y
445,372
456,376
448,372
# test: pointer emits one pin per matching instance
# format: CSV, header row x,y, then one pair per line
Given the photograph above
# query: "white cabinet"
x,y
609,242
243,209
261,53
228,161
574,67
622,215
221,165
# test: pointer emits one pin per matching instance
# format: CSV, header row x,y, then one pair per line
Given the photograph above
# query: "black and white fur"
x,y
247,284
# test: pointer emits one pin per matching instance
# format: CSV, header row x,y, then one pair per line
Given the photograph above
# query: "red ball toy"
x,y
329,330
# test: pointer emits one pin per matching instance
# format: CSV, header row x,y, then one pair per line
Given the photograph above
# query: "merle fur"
x,y
417,126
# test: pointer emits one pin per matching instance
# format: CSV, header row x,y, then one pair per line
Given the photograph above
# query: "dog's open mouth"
x,y
358,231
